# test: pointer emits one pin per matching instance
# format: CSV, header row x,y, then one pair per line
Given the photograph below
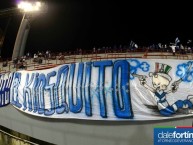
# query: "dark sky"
x,y
71,24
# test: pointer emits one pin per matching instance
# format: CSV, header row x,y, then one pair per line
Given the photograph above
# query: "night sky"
x,y
71,24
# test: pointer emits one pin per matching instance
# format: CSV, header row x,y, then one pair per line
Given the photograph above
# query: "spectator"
x,y
94,49
173,49
182,49
28,55
15,61
35,58
5,63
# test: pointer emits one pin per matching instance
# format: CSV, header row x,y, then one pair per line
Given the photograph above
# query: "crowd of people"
x,y
176,47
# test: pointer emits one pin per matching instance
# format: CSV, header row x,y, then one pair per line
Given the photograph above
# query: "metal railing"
x,y
64,58
9,139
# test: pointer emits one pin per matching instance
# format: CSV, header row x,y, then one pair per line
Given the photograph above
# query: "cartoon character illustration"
x,y
160,81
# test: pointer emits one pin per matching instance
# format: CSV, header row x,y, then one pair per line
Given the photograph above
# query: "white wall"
x,y
84,132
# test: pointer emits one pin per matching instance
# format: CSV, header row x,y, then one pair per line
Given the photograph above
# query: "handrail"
x,y
17,138
94,56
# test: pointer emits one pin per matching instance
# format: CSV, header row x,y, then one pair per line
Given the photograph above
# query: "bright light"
x,y
29,7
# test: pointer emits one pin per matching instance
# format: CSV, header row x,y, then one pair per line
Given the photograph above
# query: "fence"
x,y
65,58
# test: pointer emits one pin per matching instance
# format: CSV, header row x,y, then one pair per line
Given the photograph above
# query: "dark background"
x,y
71,24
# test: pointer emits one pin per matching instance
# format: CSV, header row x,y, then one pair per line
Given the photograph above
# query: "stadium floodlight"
x,y
29,10
26,6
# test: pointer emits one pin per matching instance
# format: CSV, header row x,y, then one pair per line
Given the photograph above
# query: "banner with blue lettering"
x,y
133,89
5,84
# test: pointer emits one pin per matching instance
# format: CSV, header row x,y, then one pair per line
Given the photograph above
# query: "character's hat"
x,y
162,70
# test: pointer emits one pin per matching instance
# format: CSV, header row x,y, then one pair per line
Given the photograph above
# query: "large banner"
x,y
133,89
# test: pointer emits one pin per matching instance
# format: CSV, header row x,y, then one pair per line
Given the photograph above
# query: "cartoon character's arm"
x,y
174,86
142,79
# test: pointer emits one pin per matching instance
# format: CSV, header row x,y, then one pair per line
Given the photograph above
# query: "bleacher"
x,y
56,60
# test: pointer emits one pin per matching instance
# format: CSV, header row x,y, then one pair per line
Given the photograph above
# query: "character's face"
x,y
159,82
